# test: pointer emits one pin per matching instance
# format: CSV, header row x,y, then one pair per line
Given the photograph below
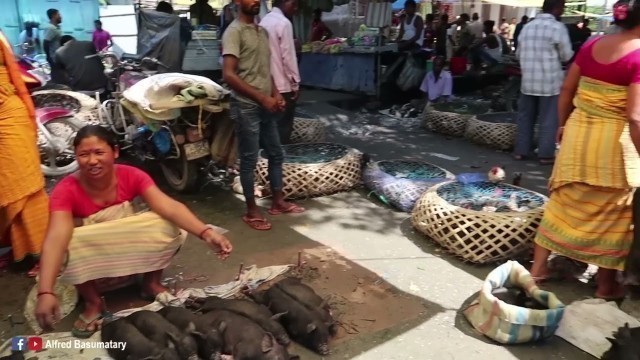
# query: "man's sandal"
x,y
85,333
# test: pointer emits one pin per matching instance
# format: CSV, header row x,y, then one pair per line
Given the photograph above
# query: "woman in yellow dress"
x,y
23,199
589,215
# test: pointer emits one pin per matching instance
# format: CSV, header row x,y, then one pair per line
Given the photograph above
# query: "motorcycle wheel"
x,y
181,174
64,129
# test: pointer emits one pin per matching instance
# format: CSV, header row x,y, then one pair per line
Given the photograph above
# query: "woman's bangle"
x,y
47,293
207,228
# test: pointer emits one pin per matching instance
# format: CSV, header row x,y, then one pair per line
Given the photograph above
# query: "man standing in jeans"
x,y
284,64
543,45
255,108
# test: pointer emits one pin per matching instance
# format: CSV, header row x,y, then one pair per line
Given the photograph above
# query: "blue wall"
x,y
77,16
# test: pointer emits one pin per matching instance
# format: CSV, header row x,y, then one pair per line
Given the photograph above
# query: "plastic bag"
x,y
411,75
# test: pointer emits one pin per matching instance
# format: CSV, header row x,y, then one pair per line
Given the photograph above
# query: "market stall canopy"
x,y
528,3
399,4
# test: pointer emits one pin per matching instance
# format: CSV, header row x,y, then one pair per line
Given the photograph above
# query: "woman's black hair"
x,y
97,131
626,14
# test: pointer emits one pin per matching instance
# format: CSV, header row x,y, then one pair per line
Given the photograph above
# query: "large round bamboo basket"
x,y
401,182
478,236
315,169
496,130
307,130
451,118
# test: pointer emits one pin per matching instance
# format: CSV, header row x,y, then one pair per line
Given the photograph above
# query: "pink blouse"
x,y
624,71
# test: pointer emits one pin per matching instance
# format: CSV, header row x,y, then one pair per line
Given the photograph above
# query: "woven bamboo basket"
x,y
307,130
451,118
85,106
315,169
401,182
449,214
496,130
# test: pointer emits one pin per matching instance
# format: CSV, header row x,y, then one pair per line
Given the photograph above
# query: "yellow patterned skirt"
x,y
588,217
586,223
116,242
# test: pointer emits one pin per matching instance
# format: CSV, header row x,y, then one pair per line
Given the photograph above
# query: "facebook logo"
x,y
19,343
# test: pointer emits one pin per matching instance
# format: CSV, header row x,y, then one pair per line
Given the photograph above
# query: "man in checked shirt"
x,y
543,45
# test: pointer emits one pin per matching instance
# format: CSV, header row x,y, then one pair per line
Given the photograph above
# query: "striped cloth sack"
x,y
118,242
510,324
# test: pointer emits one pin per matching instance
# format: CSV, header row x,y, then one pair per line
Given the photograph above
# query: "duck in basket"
x,y
532,315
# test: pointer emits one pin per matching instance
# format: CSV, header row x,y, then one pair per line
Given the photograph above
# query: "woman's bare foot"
x,y
608,286
151,285
612,291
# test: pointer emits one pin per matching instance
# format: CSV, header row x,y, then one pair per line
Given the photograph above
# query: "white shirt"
x,y
543,45
437,88
410,30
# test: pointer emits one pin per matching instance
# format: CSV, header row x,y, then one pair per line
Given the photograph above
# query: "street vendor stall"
x,y
351,64
352,69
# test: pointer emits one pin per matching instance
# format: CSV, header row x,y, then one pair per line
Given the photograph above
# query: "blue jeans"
x,y
544,111
255,128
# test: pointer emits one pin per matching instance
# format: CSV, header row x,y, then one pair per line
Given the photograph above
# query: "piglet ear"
x,y
311,328
267,343
325,302
276,317
222,326
197,334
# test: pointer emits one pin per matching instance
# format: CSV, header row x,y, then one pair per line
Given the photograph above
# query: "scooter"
x,y
57,126
181,146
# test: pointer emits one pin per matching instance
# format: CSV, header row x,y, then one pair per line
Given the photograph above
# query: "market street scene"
x,y
326,179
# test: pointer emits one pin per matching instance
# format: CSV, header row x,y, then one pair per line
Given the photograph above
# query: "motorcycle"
x,y
181,146
56,125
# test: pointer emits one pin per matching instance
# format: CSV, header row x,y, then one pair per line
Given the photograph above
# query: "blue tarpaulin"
x,y
399,4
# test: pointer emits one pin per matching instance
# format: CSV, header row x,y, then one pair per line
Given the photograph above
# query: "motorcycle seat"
x,y
134,57
92,93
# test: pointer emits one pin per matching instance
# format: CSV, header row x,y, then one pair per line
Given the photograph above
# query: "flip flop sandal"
x,y
292,209
257,224
84,333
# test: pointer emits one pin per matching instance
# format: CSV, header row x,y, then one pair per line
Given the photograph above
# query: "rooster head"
x,y
496,174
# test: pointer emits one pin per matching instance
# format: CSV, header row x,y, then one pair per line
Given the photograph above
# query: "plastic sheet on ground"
x,y
84,348
586,324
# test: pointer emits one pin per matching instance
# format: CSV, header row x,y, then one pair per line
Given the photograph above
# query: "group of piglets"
x,y
244,329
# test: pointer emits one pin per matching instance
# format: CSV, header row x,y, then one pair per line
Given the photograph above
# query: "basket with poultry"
x,y
308,130
480,219
451,118
401,182
496,130
315,169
